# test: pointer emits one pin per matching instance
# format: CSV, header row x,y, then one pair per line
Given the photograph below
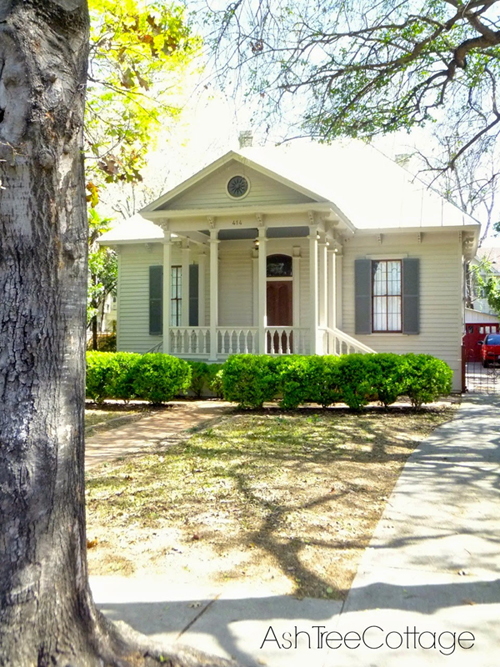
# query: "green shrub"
x,y
249,379
426,378
215,379
200,376
311,379
354,380
294,376
159,377
124,383
102,371
328,389
387,376
109,375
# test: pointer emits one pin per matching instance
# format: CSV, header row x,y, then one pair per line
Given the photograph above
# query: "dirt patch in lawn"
x,y
284,500
102,417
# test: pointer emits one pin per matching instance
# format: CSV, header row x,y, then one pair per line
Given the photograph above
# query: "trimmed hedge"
x,y
159,377
250,380
126,375
430,378
110,375
200,376
354,379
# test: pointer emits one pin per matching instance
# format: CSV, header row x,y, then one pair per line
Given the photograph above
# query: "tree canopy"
x,y
363,69
139,55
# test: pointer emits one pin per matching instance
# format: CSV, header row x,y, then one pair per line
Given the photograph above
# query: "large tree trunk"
x,y
47,616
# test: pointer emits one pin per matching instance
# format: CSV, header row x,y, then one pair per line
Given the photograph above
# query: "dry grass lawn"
x,y
285,500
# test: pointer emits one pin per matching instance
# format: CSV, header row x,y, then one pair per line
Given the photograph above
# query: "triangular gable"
x,y
208,188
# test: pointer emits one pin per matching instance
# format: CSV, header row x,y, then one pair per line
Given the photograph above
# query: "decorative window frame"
x,y
242,196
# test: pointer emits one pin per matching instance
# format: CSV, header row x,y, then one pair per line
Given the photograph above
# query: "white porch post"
x,y
186,252
255,287
323,283
338,290
214,293
296,286
313,287
202,263
332,296
262,310
167,276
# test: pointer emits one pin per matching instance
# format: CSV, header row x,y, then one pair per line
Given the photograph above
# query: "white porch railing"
x,y
237,340
337,342
195,341
287,340
190,341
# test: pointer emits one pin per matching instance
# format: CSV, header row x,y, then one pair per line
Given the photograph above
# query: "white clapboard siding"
x,y
133,295
440,294
211,192
235,283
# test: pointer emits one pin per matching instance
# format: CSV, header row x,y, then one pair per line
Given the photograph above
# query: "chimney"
x,y
246,139
403,159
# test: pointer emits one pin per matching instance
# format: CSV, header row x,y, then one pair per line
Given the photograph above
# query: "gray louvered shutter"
x,y
193,295
155,300
411,296
363,296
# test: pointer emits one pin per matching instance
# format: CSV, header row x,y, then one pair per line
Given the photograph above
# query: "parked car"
x,y
490,350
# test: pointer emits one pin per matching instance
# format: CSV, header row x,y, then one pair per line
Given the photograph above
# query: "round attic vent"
x,y
238,186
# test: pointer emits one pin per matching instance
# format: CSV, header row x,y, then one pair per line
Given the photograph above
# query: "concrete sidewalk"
x,y
427,590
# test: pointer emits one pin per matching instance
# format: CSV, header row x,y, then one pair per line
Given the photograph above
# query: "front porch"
x,y
195,342
257,284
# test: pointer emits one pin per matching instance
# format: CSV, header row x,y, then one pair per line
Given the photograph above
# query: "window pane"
x,y
379,278
379,313
394,278
394,313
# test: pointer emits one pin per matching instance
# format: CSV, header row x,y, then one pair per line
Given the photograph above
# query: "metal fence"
x,y
482,380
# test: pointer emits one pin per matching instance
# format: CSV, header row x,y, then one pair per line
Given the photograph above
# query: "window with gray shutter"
x,y
386,296
363,296
411,296
377,296
193,295
155,300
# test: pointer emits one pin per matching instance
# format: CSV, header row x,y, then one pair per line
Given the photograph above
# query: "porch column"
x,y
313,288
296,286
323,283
186,253
255,288
338,288
262,309
332,296
202,263
167,279
214,293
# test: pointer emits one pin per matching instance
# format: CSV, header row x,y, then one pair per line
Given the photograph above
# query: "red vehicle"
x,y
490,349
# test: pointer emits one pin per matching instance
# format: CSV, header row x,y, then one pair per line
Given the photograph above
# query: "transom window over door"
x,y
386,295
279,266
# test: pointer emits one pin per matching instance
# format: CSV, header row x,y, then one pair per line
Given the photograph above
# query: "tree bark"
x,y
47,616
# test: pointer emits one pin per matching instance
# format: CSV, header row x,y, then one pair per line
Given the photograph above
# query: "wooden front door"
x,y
279,314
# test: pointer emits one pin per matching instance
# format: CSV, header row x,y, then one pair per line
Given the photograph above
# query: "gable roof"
x,y
373,191
366,189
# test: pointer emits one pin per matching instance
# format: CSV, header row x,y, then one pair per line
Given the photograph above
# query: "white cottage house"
x,y
302,249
